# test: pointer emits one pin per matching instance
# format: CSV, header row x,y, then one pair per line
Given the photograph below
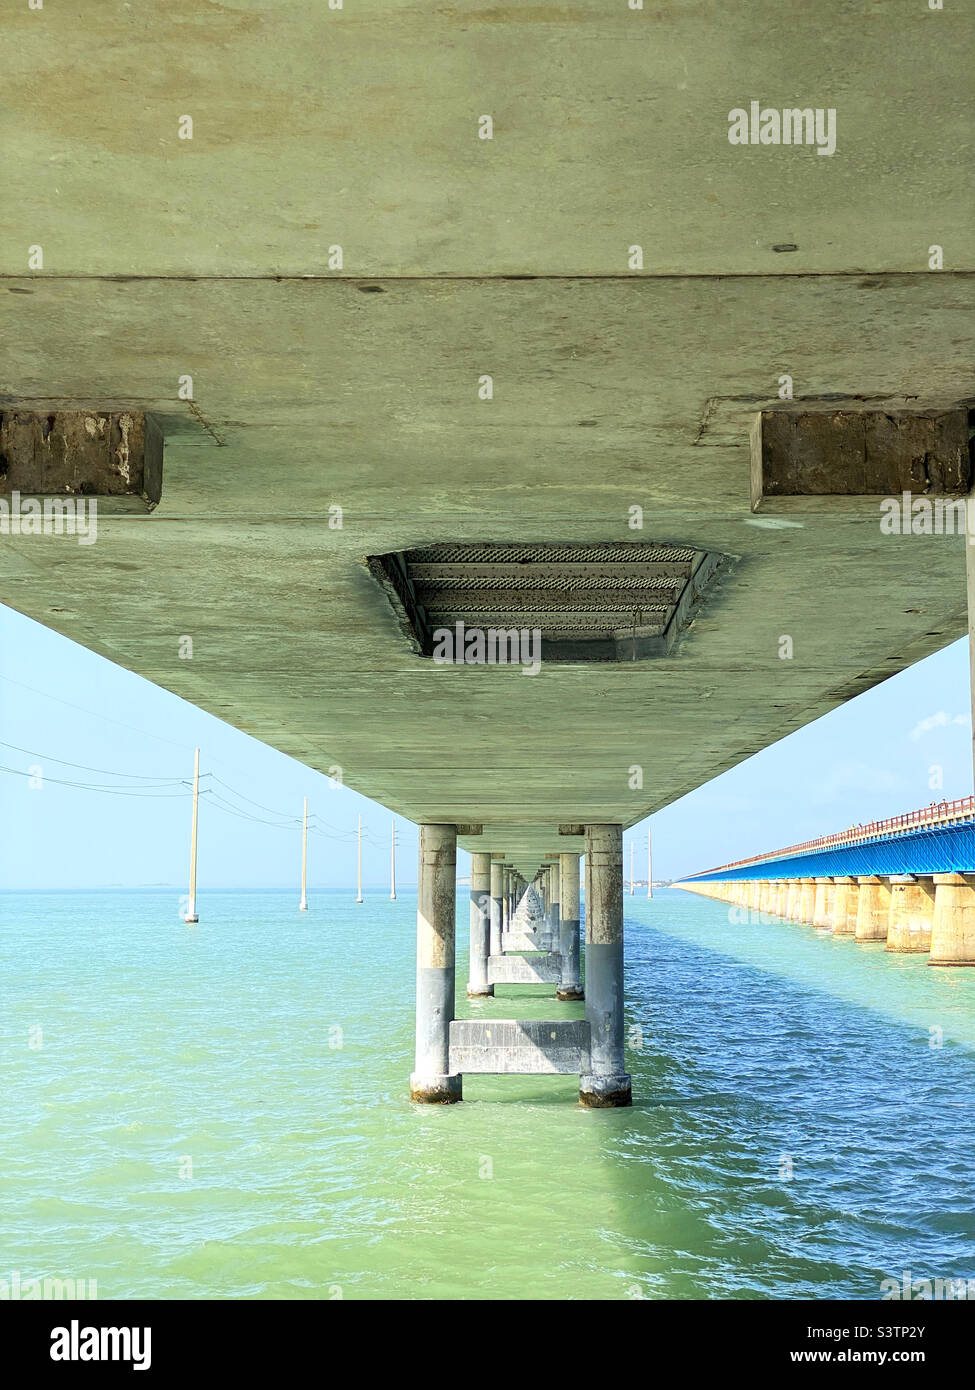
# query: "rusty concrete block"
x,y
90,453
860,453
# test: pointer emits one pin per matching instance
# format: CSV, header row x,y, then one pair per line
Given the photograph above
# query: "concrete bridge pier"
x,y
778,897
607,1082
873,909
497,879
807,901
480,944
822,904
570,988
953,922
554,906
846,892
911,913
431,1081
792,900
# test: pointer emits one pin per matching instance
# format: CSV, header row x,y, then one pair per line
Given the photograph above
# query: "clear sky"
x,y
899,746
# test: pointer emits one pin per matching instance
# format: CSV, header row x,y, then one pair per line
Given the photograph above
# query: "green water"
x,y
753,1048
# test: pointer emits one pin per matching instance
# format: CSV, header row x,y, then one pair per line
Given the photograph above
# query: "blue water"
x,y
223,1112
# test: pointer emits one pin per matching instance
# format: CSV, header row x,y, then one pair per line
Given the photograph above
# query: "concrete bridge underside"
x,y
358,388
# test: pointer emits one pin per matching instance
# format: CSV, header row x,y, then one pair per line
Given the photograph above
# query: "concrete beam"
x,y
527,941
525,970
528,1047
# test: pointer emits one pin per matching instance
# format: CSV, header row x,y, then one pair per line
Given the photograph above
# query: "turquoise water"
x,y
313,1176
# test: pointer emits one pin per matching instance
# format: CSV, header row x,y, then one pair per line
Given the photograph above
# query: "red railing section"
x,y
937,813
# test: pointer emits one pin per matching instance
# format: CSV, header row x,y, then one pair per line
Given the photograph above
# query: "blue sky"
x,y
899,746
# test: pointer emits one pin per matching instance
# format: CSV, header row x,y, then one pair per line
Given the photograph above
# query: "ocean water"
x,y
223,1112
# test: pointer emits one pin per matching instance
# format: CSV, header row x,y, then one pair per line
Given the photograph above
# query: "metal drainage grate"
x,y
622,601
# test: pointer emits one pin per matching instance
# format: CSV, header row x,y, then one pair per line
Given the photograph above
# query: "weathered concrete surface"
x,y
510,1046
846,902
295,643
528,941
570,986
432,1080
358,388
607,1082
873,909
911,913
953,923
525,970
478,983
611,128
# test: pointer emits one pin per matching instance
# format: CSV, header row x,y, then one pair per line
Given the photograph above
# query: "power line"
x,y
49,758
155,785
153,791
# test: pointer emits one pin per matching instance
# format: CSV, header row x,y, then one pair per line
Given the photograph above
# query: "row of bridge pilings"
x,y
931,914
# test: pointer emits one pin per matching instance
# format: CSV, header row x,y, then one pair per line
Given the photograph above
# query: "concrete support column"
x,y
436,898
495,924
807,895
846,893
911,913
477,980
571,985
873,909
554,904
953,924
607,1083
505,899
792,899
822,914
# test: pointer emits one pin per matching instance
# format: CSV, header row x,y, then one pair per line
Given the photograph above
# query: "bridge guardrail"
x,y
937,813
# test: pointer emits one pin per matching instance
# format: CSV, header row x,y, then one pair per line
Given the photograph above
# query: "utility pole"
x,y
303,905
392,862
359,873
191,914
649,865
